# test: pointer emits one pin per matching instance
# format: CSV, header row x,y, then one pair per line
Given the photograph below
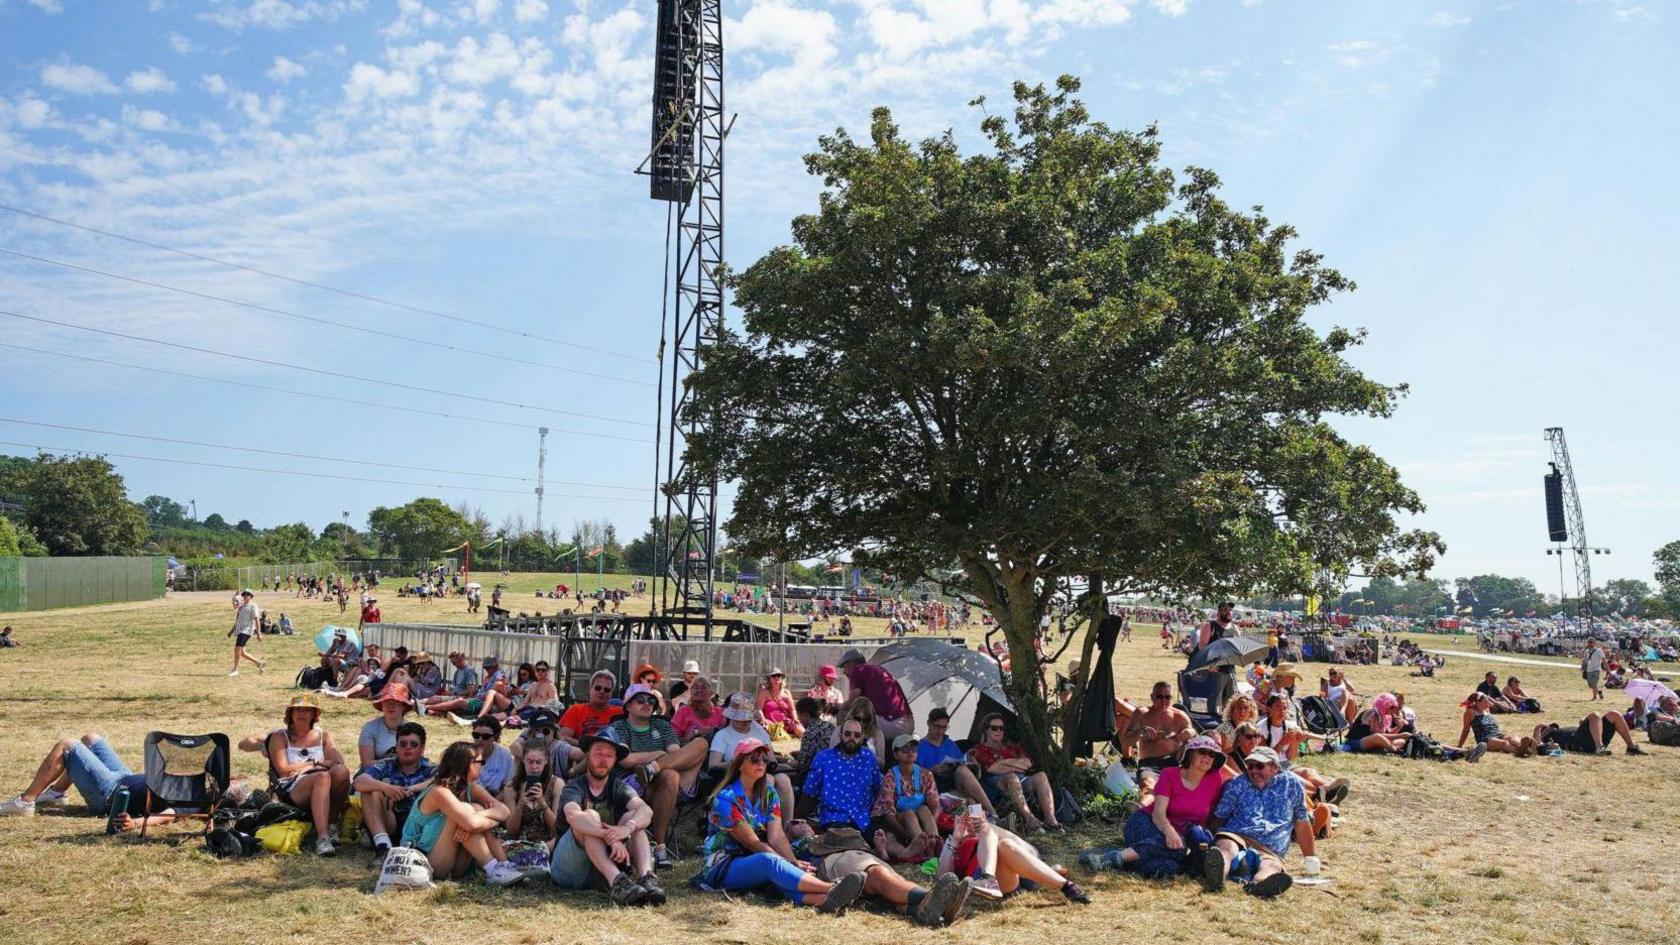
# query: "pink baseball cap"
x,y
747,746
826,672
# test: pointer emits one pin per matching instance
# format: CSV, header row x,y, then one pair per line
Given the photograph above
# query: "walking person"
x,y
246,624
1592,667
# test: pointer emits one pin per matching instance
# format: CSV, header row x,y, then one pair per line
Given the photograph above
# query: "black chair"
x,y
1203,694
187,773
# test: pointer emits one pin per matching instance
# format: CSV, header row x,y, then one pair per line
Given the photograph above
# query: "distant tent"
x,y
937,673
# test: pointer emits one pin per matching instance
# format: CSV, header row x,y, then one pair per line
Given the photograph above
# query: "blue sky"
x,y
1496,177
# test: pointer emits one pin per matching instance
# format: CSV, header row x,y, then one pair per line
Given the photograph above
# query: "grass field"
x,y
1507,851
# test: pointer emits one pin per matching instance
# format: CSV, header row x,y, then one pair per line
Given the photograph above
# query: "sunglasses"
x,y
410,743
1160,695
542,669
994,728
483,737
600,689
1255,765
756,758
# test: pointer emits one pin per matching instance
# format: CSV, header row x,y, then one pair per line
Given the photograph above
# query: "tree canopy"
x,y
1052,360
420,530
77,506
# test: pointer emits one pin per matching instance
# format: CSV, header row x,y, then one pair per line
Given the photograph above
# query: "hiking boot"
x,y
844,893
1072,892
931,910
662,858
1213,872
655,892
987,886
17,807
1475,754
1271,887
954,911
324,847
626,891
1094,861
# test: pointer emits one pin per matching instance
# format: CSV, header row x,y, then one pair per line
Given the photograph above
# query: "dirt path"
x,y
1522,661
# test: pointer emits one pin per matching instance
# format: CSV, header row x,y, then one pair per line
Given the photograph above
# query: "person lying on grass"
x,y
1591,736
453,819
1258,813
841,851
1479,721
92,765
998,861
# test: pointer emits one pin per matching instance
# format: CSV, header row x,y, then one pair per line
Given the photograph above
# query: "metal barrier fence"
x,y
45,583
732,666
254,575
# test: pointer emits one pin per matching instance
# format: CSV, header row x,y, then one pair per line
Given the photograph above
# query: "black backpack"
x,y
1319,717
1422,746
311,677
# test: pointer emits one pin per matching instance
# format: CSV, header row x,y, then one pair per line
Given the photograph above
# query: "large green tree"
x,y
1048,367
164,512
78,506
1486,593
420,530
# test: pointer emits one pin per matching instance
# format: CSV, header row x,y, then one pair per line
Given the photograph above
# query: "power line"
x,y
329,459
312,475
310,370
364,404
348,293
410,339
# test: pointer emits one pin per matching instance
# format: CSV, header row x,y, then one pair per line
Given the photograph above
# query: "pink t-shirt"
x,y
1184,805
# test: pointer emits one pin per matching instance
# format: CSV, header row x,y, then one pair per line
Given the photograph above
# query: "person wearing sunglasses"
x,y
952,771
1259,812
665,769
497,763
388,786
1010,773
1158,733
584,719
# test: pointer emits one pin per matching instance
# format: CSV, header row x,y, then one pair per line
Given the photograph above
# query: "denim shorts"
x,y
569,865
95,770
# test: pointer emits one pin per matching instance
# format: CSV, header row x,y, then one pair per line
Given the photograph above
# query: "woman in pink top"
x,y
775,706
700,716
1157,839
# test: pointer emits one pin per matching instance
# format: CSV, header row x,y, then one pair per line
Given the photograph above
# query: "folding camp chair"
x,y
186,772
1202,695
1321,718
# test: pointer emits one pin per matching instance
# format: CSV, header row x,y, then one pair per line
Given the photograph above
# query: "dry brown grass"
x,y
1529,851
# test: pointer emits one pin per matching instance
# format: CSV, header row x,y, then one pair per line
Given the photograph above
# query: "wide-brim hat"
x,y
307,700
395,692
740,708
1286,669
839,840
422,657
607,736
1208,744
644,669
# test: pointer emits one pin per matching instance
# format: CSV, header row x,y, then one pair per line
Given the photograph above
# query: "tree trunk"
x,y
1018,618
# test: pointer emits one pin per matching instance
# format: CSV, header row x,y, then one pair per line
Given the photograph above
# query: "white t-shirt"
x,y
1594,660
727,738
249,614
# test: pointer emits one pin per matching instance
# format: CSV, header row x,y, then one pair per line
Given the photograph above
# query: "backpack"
x,y
1422,746
1664,733
404,868
285,837
1068,809
311,677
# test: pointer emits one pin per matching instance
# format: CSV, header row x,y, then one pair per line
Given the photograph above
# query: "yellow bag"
x,y
284,837
350,825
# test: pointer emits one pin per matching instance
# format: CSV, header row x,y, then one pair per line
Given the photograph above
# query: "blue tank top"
x,y
421,830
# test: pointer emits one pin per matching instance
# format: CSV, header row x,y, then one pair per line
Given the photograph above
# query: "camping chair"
x,y
186,772
1202,695
1321,718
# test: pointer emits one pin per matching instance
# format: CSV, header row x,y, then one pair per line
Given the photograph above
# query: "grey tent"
x,y
937,673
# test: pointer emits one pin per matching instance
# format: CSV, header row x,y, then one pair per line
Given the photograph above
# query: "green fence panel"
x,y
46,583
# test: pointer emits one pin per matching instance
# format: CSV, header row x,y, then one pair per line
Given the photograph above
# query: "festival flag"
x,y
1312,606
456,548
595,551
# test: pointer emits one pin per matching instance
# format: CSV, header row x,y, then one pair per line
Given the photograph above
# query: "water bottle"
x,y
118,807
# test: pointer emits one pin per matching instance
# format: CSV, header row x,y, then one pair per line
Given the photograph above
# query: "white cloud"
x,y
180,44
1444,20
475,63
213,83
530,11
367,80
48,6
1636,14
285,70
481,10
779,26
1171,7
77,79
277,14
148,81
27,112
1354,53
412,18
146,119
1082,13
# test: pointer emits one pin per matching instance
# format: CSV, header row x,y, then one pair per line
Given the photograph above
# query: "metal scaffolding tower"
x,y
1577,523
686,169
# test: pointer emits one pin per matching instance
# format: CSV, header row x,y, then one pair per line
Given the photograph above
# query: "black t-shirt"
x,y
1491,690
609,805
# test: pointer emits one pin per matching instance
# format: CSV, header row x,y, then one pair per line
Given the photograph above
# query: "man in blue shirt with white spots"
x,y
1258,813
844,780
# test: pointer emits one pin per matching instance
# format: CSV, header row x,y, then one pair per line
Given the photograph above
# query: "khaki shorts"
x,y
1244,843
836,865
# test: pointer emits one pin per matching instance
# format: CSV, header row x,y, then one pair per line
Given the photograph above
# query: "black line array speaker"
x,y
1555,523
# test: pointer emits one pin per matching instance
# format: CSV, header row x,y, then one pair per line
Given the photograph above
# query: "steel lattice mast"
x,y
687,170
1572,509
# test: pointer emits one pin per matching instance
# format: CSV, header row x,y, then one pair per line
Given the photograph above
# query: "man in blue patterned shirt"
x,y
1257,814
844,780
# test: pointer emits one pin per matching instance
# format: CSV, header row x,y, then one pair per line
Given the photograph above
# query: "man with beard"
x,y
1253,822
844,780
607,843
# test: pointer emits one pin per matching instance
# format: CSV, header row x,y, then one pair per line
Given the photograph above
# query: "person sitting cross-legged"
x,y
840,851
1259,813
606,845
452,820
665,769
746,847
387,787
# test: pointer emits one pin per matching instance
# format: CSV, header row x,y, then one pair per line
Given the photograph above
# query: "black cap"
x,y
541,718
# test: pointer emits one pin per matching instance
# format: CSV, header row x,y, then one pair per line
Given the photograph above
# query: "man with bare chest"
x,y
1158,732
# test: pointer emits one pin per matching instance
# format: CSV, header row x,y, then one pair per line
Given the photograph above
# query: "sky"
x,y
432,206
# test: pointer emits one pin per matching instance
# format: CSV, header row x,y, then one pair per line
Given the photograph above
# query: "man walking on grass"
x,y
246,624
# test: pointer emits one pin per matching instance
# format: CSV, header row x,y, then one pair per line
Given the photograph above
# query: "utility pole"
x,y
195,510
344,536
542,462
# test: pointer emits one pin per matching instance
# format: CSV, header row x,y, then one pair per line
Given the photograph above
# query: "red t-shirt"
x,y
986,756
584,720
370,614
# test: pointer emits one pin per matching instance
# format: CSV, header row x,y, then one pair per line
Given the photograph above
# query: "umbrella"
x,y
324,637
1226,651
1648,689
936,673
474,585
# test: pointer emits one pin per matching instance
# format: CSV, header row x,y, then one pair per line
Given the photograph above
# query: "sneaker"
x,y
50,796
261,665
655,892
954,911
464,723
503,873
1072,892
931,910
646,774
987,886
662,858
17,807
382,847
233,674
1213,872
626,891
1336,791
324,847
844,893
1631,749
1473,755
1093,861
1271,887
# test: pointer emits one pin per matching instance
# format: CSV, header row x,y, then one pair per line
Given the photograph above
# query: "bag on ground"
x,y
285,837
404,868
1665,733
